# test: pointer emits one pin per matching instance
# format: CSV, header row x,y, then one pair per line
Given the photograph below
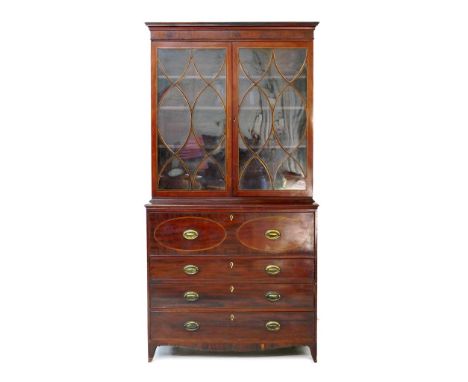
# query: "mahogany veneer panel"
x,y
246,327
233,296
218,268
218,234
298,31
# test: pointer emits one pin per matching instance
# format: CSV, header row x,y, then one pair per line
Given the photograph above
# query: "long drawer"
x,y
226,269
193,295
173,234
186,328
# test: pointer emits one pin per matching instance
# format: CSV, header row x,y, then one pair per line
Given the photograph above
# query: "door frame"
x,y
235,112
156,192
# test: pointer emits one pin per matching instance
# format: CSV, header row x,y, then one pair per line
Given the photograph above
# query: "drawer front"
x,y
194,295
225,269
275,233
185,328
189,234
230,234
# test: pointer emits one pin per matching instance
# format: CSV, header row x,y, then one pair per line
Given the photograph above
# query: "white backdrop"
x,y
390,175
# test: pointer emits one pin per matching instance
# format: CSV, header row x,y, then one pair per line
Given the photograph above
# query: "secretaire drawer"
x,y
222,268
240,327
195,295
230,233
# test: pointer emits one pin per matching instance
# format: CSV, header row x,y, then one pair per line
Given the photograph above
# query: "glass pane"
x,y
164,155
173,119
255,62
191,84
219,84
209,176
172,63
273,84
191,118
272,118
163,82
290,119
255,177
290,62
244,155
290,176
192,153
209,62
273,156
255,119
300,83
244,83
209,119
174,175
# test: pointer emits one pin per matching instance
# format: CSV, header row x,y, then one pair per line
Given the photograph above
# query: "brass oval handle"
x,y
190,234
191,326
272,269
191,296
272,234
273,326
272,296
191,269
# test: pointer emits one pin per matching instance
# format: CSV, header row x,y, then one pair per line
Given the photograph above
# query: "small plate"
x,y
175,172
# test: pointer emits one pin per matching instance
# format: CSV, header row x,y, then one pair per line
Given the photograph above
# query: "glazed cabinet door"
x,y
272,101
191,118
